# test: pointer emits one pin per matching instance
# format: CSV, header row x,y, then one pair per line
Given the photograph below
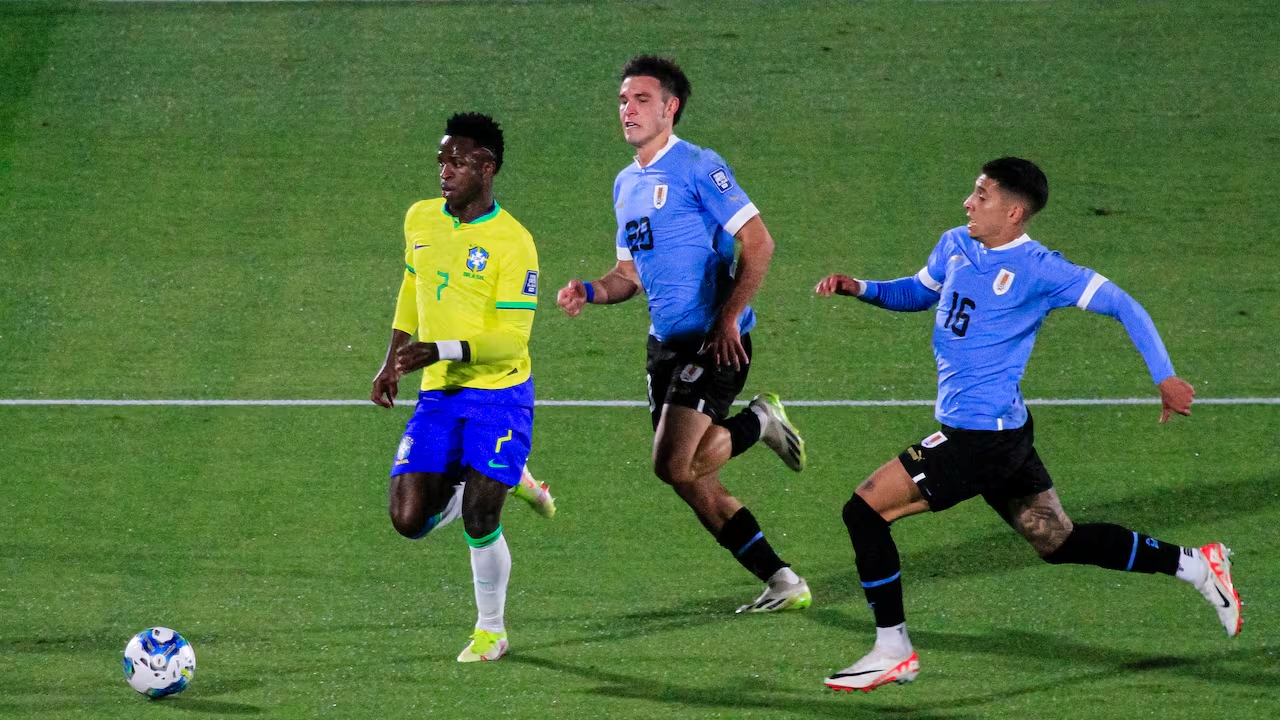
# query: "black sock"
x,y
741,536
744,430
1116,548
876,557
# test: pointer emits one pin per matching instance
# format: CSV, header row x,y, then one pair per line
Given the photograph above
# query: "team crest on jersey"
x,y
1003,280
477,259
659,196
720,177
933,440
690,373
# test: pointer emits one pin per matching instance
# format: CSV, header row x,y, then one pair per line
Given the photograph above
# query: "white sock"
x,y
764,417
1192,566
452,509
785,575
894,639
490,571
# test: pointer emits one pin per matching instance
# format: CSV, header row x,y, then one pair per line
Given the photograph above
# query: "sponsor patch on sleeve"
x,y
530,283
720,177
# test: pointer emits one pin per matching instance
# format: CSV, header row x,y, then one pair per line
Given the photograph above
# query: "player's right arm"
x,y
907,294
387,382
618,285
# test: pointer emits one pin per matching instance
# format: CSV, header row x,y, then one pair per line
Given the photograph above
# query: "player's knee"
x,y
407,521
673,473
861,520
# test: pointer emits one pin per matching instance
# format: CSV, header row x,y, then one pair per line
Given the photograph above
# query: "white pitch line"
x,y
609,403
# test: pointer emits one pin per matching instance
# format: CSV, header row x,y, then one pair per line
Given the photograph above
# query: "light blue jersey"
x,y
676,220
990,303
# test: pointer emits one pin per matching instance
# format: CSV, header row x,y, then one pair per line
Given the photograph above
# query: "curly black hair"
x,y
666,72
481,129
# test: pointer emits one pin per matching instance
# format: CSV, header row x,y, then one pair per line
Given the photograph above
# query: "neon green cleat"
x,y
778,433
484,645
537,494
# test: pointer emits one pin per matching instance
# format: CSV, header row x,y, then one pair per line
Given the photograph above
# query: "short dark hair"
x,y
482,130
666,72
1022,178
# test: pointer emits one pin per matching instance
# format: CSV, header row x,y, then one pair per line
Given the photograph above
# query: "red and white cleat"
x,y
879,667
1218,589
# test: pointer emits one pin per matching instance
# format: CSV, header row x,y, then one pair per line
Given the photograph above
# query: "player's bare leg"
x,y
688,452
887,495
421,502
490,565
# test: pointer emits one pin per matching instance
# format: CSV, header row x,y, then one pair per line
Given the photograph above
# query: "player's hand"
x,y
838,284
572,297
412,356
385,386
724,344
1176,395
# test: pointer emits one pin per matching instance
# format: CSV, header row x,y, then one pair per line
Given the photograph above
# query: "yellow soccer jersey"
x,y
473,282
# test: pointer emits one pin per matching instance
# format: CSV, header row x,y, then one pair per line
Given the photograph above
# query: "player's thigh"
x,y
415,496
891,492
680,432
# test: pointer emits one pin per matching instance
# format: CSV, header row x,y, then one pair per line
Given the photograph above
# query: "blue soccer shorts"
x,y
451,430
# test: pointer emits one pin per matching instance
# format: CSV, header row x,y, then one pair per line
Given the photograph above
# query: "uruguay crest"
x,y
477,259
1004,279
659,196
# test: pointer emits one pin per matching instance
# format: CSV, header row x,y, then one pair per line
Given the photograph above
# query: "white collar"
x,y
671,141
1011,245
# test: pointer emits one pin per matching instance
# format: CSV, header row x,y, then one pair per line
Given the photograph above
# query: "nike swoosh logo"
x,y
493,464
855,674
1225,602
419,247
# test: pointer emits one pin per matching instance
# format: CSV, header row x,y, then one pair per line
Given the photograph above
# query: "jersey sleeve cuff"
x,y
927,280
740,218
624,253
1095,282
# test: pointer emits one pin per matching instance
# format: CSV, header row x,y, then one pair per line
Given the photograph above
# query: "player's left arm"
x,y
1104,297
724,341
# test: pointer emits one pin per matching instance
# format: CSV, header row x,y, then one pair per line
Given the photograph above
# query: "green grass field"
x,y
204,201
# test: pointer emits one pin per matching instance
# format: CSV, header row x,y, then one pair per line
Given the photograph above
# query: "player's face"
x,y
645,110
465,170
989,208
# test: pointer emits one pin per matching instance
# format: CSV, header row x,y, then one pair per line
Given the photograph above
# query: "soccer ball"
x,y
159,662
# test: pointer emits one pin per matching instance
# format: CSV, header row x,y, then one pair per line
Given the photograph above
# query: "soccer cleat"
x,y
781,596
879,667
1218,589
484,645
778,433
537,494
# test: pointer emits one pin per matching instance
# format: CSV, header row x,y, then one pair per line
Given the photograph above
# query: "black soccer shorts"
x,y
678,375
953,465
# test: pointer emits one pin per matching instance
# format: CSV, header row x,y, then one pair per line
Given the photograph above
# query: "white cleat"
x,y
781,595
484,646
778,434
879,667
537,494
1218,589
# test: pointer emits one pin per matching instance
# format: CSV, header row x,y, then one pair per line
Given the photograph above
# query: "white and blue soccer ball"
x,y
159,662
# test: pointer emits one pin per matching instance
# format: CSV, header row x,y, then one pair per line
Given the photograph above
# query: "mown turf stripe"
x,y
620,403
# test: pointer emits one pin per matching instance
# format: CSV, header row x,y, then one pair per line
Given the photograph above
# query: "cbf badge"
x,y
402,452
1003,280
477,258
659,196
